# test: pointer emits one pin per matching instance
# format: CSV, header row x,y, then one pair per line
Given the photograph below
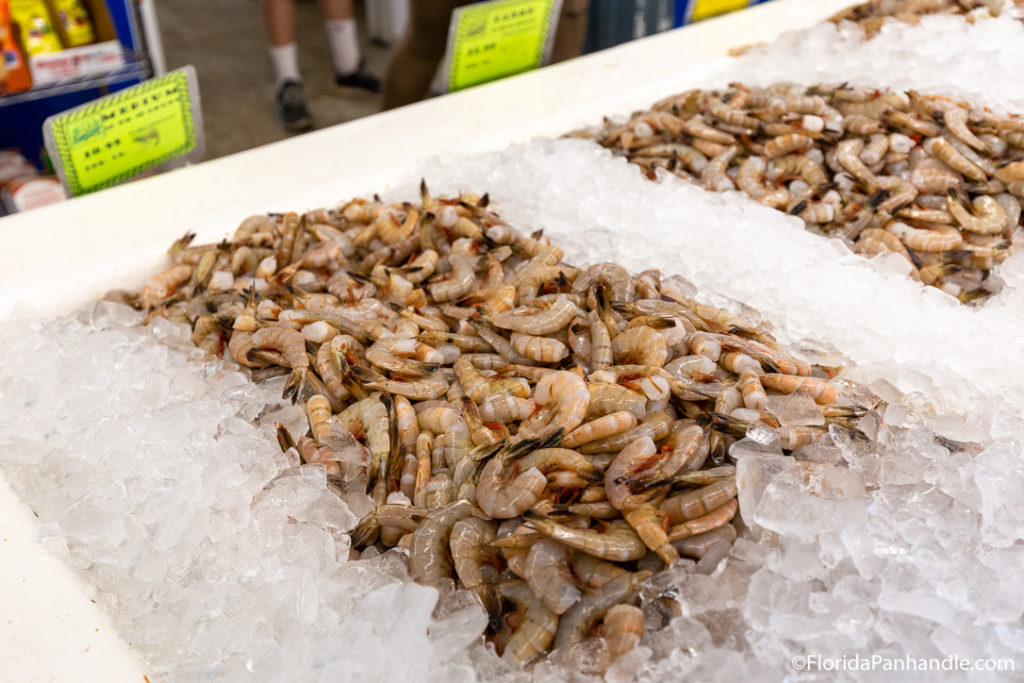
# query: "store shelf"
x,y
134,71
23,113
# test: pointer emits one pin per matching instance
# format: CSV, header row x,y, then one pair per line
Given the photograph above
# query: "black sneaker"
x,y
291,107
360,78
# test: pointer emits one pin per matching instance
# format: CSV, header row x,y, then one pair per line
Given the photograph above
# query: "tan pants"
x,y
416,57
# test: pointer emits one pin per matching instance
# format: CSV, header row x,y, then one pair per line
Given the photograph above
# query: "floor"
x,y
226,42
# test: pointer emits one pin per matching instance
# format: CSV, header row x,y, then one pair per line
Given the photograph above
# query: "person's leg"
x,y
343,37
571,30
279,16
415,58
290,101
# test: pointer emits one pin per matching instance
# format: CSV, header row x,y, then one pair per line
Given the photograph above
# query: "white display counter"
x,y
65,255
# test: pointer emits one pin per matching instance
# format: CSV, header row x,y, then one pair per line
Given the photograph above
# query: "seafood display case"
x,y
817,418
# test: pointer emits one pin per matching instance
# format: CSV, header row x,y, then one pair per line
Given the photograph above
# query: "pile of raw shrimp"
x,y
935,180
546,436
873,14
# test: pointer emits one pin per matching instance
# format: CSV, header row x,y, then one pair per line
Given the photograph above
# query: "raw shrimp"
x,y
787,144
943,150
540,349
537,624
714,176
562,398
459,285
697,546
292,349
393,353
503,492
623,629
848,154
369,417
318,412
549,576
581,616
987,218
161,286
650,525
613,540
635,459
533,322
616,278
699,502
822,392
600,428
655,426
479,388
642,345
607,398
943,238
468,543
718,517
428,559
594,572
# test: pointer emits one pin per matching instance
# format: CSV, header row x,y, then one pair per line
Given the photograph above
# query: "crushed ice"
x,y
217,556
940,54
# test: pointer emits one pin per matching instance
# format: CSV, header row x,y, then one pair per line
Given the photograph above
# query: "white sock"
x,y
286,63
344,41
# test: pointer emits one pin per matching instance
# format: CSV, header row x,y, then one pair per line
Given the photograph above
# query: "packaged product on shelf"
x,y
36,26
14,73
73,21
22,186
31,191
12,165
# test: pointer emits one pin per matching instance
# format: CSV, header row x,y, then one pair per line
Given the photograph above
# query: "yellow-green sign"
x,y
703,9
120,136
491,40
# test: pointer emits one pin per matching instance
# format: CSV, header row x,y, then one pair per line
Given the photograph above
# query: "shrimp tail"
x,y
263,356
493,609
486,450
394,464
366,531
532,514
957,256
284,438
535,444
365,375
767,363
295,382
727,424
601,296
975,294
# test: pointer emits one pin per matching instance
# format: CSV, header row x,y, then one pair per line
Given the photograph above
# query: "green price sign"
x,y
156,124
491,40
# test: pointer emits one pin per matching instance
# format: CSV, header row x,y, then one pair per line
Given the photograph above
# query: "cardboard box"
x,y
76,62
104,56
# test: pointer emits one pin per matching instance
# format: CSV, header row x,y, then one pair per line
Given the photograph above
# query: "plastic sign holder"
x,y
151,127
491,40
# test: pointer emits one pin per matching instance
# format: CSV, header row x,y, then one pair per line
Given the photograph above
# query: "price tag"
x,y
155,125
491,40
702,9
